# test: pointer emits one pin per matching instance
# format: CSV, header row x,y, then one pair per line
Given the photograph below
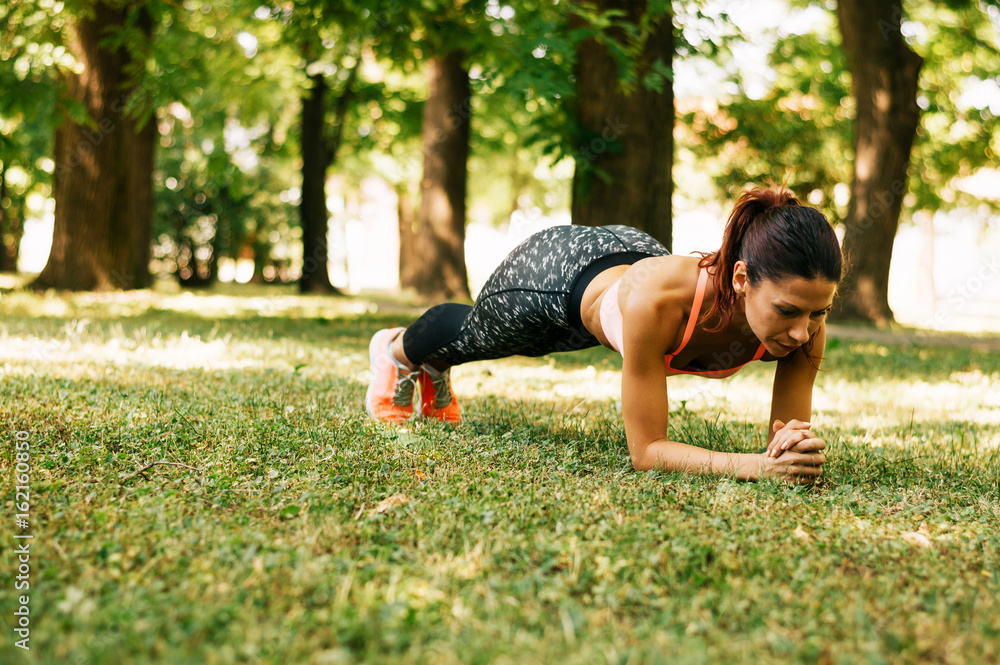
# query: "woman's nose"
x,y
800,332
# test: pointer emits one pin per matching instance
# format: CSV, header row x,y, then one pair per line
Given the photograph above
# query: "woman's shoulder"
x,y
656,296
662,279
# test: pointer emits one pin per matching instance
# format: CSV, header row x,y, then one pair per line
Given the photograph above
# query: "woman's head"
x,y
771,239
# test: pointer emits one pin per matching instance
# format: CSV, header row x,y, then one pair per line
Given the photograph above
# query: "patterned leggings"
x,y
530,306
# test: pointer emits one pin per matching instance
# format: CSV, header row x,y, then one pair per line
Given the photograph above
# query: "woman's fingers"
x,y
788,440
787,436
809,445
794,437
802,467
803,474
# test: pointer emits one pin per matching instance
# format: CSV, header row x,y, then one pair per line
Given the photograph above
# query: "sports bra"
x,y
611,324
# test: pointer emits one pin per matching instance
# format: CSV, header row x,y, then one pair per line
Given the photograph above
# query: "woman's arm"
x,y
791,395
652,326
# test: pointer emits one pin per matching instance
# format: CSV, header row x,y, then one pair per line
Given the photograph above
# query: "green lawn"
x,y
305,533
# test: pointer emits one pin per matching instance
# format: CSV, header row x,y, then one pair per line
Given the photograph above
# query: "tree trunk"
x,y
316,159
440,266
11,227
409,260
102,183
884,83
626,146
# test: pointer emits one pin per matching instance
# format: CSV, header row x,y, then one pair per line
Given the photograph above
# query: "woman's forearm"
x,y
676,456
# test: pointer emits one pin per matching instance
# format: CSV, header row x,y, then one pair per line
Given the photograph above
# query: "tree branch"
x,y
340,111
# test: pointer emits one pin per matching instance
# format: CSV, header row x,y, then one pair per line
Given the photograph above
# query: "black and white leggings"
x,y
530,305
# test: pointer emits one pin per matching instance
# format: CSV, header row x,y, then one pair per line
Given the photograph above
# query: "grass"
x,y
305,533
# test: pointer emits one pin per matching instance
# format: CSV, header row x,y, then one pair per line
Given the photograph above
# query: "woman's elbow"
x,y
640,458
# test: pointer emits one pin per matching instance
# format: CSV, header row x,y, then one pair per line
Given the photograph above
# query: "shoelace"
x,y
406,382
442,390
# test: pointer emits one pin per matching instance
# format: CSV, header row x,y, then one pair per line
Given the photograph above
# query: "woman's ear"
x,y
740,279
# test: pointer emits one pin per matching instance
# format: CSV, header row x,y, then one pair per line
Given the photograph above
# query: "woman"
x,y
763,295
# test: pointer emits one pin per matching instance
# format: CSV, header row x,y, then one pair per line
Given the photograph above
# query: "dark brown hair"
x,y
776,237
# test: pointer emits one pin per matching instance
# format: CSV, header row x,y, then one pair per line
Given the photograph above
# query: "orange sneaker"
x,y
436,398
390,393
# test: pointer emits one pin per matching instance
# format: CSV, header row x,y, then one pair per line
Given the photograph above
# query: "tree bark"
x,y
884,83
409,260
102,183
319,151
440,264
11,227
625,150
315,220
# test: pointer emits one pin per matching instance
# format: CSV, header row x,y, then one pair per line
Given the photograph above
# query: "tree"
x,y
884,81
102,182
957,133
796,134
445,35
320,144
799,132
441,217
319,25
625,110
327,39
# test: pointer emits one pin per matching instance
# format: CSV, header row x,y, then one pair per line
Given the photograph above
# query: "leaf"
x,y
802,534
916,538
919,537
390,502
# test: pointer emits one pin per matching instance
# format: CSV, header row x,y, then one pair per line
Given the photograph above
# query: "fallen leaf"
x,y
421,476
802,534
389,502
916,538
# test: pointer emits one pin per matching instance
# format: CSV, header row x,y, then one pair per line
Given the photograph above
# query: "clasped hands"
x,y
795,454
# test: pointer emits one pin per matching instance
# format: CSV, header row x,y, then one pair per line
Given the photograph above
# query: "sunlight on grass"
x,y
291,528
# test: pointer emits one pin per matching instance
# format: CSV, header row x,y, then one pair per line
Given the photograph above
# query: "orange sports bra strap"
x,y
699,296
760,352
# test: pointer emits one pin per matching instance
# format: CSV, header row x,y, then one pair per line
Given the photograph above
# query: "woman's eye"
x,y
784,312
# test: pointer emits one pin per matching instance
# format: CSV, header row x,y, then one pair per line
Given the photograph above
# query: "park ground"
x,y
205,488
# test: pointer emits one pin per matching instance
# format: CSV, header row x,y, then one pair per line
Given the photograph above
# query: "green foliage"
x,y
801,130
521,59
960,45
224,168
797,134
28,60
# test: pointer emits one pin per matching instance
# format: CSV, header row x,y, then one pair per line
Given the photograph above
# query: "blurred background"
x,y
364,148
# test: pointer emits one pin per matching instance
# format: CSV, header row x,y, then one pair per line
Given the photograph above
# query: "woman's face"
x,y
784,314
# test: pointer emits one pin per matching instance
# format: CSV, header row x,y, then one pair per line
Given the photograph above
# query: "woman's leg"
x,y
437,327
524,307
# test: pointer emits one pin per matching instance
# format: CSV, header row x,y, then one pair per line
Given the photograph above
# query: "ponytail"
x,y
776,237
